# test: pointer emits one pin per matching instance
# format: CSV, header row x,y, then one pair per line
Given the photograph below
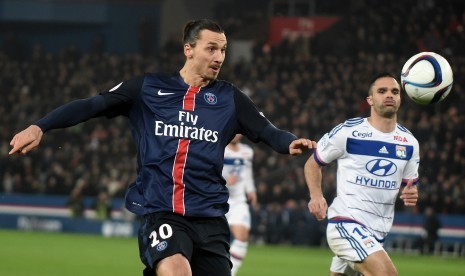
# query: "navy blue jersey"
x,y
180,133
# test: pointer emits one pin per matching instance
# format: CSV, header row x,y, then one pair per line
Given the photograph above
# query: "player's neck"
x,y
383,124
191,78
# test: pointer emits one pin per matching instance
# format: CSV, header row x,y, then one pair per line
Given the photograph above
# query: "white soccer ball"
x,y
427,78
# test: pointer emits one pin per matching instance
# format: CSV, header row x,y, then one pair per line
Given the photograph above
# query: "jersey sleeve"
x,y
330,147
257,128
411,169
120,99
78,111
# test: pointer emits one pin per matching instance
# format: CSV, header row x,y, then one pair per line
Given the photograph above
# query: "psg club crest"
x,y
162,246
210,98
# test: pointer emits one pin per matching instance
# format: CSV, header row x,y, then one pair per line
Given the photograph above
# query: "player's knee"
x,y
176,265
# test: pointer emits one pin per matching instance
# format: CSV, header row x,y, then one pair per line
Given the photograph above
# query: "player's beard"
x,y
386,111
389,112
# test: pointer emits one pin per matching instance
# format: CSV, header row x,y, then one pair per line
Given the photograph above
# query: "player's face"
x,y
385,98
208,54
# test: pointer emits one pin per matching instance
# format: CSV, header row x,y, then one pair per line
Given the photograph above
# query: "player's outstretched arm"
x,y
64,116
26,140
298,146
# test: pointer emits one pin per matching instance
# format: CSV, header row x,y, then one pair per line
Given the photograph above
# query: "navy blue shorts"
x,y
203,241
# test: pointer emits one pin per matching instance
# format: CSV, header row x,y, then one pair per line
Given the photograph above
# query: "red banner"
x,y
281,27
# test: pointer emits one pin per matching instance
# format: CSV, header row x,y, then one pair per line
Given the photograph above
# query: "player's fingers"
x,y
321,215
410,202
29,147
312,145
314,209
318,209
12,142
17,144
323,209
410,183
13,150
309,143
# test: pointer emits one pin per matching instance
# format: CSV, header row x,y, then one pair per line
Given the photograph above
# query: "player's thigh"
x,y
163,235
210,264
340,267
377,263
351,242
240,232
176,264
211,252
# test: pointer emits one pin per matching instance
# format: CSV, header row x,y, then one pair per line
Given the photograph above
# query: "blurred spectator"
x,y
102,206
76,202
431,226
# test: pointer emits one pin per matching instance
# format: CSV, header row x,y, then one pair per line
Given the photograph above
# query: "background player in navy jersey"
x,y
181,124
375,157
238,172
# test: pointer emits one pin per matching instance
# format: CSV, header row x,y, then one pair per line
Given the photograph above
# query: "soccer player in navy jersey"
x,y
181,124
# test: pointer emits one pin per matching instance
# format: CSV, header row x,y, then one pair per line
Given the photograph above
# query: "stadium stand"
x,y
304,86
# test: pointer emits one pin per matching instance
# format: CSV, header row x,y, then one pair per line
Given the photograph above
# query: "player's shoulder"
x,y
405,132
347,125
161,77
227,86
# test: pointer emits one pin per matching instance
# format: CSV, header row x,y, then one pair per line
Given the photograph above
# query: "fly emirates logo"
x,y
186,129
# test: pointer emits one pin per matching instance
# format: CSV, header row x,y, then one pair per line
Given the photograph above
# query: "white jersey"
x,y
239,163
371,167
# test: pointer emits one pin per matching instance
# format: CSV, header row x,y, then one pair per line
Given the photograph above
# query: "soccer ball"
x,y
427,78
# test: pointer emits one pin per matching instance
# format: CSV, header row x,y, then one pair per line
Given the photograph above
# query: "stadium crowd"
x,y
301,84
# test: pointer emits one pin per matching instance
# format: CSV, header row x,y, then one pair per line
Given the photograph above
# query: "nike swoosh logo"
x,y
164,93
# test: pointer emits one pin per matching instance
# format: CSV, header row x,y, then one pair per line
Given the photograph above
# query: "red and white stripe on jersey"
x,y
189,99
181,157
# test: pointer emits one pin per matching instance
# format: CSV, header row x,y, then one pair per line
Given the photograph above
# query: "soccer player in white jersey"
x,y
237,171
376,158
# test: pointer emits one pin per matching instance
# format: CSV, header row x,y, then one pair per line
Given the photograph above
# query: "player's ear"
x,y
370,100
188,50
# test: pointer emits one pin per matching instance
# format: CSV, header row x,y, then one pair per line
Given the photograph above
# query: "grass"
x,y
53,254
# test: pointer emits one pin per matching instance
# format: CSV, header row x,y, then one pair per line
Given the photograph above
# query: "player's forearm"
x,y
277,139
313,177
72,113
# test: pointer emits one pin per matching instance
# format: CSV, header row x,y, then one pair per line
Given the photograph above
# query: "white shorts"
x,y
340,266
239,214
351,242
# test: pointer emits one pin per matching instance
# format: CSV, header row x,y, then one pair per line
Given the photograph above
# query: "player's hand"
x,y
318,207
232,179
298,146
409,194
26,140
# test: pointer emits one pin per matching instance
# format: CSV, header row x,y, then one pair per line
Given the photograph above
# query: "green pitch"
x,y
51,254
